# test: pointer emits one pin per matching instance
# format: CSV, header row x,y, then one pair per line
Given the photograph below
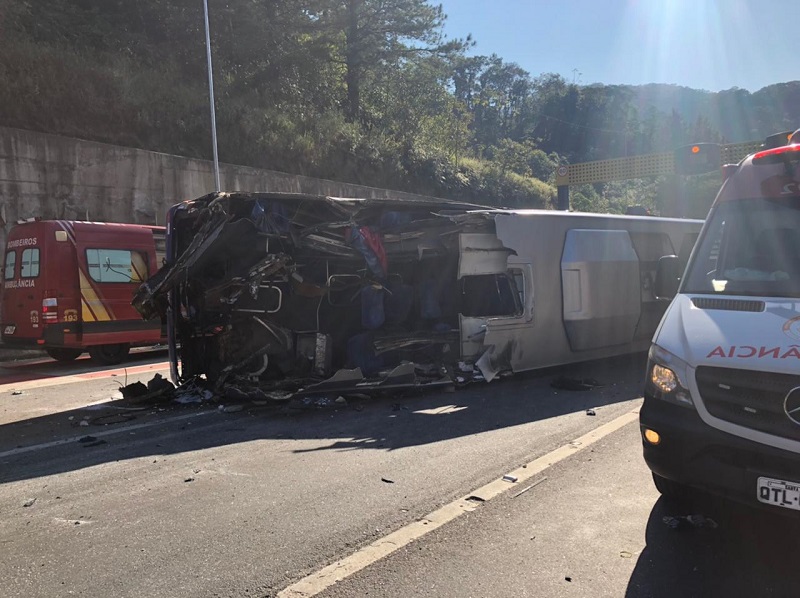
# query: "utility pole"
x,y
211,100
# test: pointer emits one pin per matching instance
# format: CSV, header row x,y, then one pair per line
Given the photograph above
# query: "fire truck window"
x,y
116,265
11,262
29,265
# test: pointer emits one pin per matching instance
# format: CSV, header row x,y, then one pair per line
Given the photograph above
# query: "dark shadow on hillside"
x,y
384,423
751,553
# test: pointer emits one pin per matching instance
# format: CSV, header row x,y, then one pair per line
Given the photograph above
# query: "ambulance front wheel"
x,y
63,354
109,354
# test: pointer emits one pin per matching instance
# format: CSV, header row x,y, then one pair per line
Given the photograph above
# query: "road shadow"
x,y
388,422
752,552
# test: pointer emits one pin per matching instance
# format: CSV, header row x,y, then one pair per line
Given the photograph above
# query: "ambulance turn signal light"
x,y
652,436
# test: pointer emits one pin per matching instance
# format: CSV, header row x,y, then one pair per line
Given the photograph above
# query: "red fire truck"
x,y
68,287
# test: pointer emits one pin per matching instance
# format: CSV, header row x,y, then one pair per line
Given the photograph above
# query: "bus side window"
x,y
11,263
489,295
519,281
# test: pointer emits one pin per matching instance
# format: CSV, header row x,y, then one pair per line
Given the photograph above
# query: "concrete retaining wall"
x,y
59,177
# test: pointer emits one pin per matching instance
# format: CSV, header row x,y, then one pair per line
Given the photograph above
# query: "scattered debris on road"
x,y
89,441
16,392
682,522
590,412
134,390
190,479
157,389
510,478
192,392
29,503
159,384
387,480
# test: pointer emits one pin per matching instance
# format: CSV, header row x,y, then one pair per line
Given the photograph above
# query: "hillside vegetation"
x,y
363,91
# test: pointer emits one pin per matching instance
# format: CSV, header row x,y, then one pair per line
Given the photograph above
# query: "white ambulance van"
x,y
722,396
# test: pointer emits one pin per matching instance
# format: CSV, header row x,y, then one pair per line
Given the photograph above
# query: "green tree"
x,y
377,34
513,156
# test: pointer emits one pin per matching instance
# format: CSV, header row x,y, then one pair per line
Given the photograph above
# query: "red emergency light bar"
x,y
778,151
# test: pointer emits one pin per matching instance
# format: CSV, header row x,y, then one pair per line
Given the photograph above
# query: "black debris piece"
x,y
134,390
160,384
473,498
590,412
387,480
95,443
29,503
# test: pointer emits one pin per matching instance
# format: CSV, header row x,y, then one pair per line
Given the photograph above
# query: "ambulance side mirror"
x,y
668,275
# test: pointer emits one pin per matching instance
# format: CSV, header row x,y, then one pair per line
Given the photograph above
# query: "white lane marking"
x,y
319,581
46,445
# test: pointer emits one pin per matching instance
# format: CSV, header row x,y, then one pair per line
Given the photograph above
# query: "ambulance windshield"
x,y
752,247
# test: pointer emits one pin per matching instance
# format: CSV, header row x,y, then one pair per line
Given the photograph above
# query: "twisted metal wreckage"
x,y
281,295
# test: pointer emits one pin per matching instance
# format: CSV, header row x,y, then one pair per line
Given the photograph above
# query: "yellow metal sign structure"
x,y
646,165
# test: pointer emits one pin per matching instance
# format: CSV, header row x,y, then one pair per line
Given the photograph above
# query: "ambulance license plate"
x,y
779,493
9,329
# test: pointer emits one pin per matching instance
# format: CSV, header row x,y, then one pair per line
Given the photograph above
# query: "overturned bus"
x,y
290,294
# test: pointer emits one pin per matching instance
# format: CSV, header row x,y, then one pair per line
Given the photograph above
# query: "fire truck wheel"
x,y
109,354
63,354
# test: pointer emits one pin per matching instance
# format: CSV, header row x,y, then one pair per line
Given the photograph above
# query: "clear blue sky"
x,y
704,44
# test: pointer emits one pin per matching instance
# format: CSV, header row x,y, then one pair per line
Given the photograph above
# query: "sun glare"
x,y
681,40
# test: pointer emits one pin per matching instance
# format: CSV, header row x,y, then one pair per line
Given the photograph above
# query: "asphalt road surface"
x,y
391,496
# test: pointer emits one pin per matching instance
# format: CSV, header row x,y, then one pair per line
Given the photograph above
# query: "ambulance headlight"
x,y
666,377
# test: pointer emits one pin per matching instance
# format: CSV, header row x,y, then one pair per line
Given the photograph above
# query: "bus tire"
x,y
63,353
109,354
